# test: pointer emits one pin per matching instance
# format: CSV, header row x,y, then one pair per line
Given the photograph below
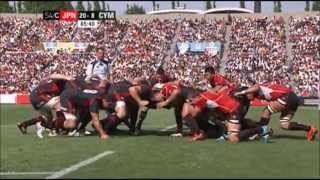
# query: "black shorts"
x,y
291,101
66,98
84,115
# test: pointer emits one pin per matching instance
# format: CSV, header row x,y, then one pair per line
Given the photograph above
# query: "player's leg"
x,y
142,116
115,118
133,111
189,113
46,113
69,119
37,104
292,103
25,124
84,119
178,116
234,127
53,105
66,118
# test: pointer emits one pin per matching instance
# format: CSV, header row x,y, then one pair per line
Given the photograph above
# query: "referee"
x,y
99,67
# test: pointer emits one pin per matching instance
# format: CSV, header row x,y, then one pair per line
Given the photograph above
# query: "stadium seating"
x,y
257,50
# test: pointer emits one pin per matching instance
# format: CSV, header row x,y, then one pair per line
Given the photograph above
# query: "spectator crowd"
x,y
257,50
304,33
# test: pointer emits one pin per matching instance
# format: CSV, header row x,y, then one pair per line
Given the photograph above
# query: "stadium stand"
x,y
257,49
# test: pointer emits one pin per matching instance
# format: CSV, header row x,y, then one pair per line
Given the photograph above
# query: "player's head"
x,y
208,72
100,53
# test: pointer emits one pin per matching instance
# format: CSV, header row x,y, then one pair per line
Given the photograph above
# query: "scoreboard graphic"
x,y
74,15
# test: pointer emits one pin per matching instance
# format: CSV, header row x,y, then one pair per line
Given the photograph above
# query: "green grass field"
x,y
157,155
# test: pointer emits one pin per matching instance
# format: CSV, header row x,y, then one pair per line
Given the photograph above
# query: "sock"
x,y
83,125
192,124
32,121
47,124
126,122
179,125
142,117
111,122
298,126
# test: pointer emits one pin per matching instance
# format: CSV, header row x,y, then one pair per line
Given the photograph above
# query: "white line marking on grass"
x,y
168,128
75,167
23,173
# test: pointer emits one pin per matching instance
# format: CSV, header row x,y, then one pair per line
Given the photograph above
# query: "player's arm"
x,y
252,89
94,112
61,76
173,95
134,90
96,123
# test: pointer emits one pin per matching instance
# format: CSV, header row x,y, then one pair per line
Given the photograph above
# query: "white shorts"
x,y
46,109
70,116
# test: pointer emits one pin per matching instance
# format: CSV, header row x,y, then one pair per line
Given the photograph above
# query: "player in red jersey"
x,y
281,99
217,81
45,99
173,94
229,108
156,80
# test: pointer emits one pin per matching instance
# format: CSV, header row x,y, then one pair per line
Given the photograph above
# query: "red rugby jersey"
x,y
273,91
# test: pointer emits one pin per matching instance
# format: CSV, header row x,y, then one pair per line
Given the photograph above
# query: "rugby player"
x,y
44,99
155,81
229,108
281,99
217,81
125,98
79,95
173,94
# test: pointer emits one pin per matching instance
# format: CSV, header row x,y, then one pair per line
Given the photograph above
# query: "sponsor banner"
x,y
66,45
207,47
311,102
50,45
183,47
8,98
211,51
198,47
80,45
22,99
